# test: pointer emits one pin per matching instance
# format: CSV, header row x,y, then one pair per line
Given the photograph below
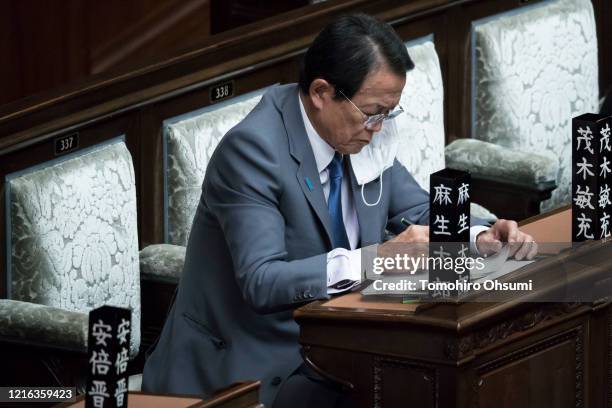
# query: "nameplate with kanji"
x,y
108,356
449,206
591,177
449,224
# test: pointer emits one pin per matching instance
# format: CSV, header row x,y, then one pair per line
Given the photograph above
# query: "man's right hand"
x,y
414,233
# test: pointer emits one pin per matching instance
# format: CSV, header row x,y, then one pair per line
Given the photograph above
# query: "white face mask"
x,y
376,157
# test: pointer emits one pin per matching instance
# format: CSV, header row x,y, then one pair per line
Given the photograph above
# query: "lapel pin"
x,y
309,183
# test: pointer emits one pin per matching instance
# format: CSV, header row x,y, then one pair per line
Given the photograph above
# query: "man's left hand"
x,y
522,245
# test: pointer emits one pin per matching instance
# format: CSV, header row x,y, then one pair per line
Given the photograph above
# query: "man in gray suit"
x,y
282,217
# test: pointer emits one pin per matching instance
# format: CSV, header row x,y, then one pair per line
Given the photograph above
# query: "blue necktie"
x,y
334,203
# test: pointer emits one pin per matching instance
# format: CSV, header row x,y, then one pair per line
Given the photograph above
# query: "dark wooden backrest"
x,y
136,103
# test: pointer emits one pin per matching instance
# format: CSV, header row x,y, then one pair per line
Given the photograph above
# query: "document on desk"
x,y
497,266
508,266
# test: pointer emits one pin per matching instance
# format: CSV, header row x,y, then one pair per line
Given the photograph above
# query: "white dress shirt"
x,y
343,263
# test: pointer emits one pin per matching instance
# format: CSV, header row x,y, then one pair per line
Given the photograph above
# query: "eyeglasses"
x,y
372,120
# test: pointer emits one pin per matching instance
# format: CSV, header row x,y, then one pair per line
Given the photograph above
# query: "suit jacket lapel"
x,y
368,217
300,149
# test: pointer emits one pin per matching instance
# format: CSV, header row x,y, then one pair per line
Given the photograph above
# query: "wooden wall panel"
x,y
230,14
9,90
50,43
114,16
44,43
147,32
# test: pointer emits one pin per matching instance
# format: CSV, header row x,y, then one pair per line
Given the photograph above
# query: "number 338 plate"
x,y
221,91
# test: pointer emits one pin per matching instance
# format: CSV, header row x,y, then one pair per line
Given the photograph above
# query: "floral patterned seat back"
x,y
73,234
421,126
533,70
189,142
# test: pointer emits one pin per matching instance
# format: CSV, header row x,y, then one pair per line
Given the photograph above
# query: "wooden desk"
x,y
244,395
504,354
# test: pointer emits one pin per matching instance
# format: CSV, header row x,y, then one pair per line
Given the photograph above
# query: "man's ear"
x,y
321,92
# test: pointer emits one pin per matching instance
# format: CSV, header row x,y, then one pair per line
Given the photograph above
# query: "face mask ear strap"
x,y
379,193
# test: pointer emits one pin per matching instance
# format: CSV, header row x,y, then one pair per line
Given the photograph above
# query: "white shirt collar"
x,y
323,152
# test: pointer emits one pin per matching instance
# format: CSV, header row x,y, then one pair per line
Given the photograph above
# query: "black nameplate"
x,y
449,205
65,144
449,225
591,177
109,351
221,91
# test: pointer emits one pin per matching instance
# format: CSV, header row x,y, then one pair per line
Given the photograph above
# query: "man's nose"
x,y
377,127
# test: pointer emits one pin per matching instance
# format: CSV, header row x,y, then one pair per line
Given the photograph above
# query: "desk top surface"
x,y
240,394
140,400
556,227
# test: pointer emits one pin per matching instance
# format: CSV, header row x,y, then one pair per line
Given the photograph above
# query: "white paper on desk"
x,y
507,267
497,265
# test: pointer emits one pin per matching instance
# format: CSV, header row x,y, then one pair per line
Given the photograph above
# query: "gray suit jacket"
x,y
257,251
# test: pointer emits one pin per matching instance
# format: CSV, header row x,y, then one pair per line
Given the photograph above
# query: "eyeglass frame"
x,y
373,120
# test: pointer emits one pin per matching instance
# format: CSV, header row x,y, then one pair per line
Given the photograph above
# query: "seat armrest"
x,y
162,263
161,266
488,160
24,322
508,182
